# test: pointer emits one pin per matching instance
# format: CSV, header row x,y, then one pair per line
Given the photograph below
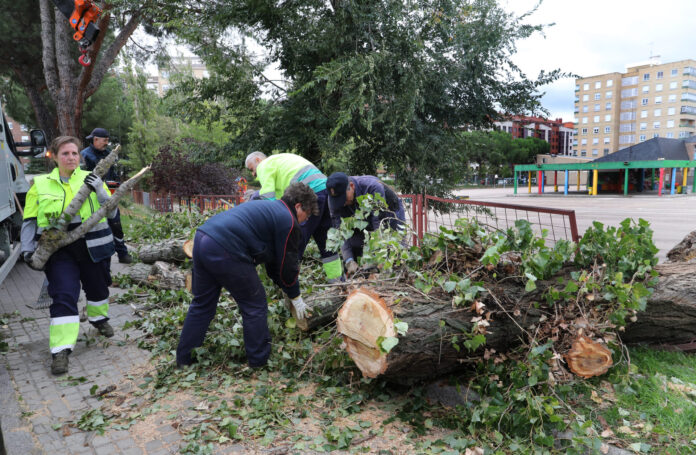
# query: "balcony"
x,y
687,125
689,71
689,84
689,110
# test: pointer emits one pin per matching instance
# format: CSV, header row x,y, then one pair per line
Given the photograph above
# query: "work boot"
x,y
104,328
60,362
125,258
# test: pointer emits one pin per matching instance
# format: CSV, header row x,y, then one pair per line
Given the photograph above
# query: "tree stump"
x,y
159,275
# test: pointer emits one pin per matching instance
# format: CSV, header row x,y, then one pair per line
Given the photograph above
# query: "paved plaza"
x,y
33,401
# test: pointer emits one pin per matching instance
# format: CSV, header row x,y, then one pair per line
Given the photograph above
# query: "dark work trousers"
x,y
317,226
66,269
213,269
117,231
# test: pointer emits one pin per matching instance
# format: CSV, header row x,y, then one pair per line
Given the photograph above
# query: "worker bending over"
x,y
343,193
227,249
275,173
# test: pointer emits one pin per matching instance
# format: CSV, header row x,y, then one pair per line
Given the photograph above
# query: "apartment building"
x,y
617,110
557,133
183,65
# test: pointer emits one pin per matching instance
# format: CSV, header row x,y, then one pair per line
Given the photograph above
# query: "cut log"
x,y
670,315
160,275
171,250
323,307
684,250
427,349
588,358
188,248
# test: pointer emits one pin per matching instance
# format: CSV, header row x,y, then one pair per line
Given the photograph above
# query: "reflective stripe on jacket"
x,y
277,172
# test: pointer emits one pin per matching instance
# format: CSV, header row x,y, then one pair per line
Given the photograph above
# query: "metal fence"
x,y
424,214
427,213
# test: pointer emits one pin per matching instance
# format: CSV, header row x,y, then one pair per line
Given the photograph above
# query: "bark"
x,y
171,250
684,250
324,306
670,314
160,275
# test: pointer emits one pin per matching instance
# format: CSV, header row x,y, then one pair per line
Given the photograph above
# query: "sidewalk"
x,y
32,400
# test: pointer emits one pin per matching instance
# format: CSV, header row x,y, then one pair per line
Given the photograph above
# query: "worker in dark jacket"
x,y
227,249
343,194
97,151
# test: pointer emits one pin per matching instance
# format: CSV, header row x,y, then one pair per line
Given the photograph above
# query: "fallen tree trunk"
x,y
171,250
670,315
429,347
160,275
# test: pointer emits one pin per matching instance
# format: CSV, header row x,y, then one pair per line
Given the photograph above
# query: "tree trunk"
x,y
159,275
670,315
428,347
324,306
171,250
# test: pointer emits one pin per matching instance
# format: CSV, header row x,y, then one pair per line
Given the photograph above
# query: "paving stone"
x,y
153,445
125,444
101,440
133,451
107,450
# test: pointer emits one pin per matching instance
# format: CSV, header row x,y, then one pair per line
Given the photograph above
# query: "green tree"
x,y
391,82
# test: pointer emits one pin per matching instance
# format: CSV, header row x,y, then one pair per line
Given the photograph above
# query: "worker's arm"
x,y
286,269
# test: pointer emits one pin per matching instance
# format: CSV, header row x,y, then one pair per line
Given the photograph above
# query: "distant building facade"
x,y
161,83
617,110
557,133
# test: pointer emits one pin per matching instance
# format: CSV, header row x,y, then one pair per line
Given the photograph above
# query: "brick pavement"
x,y
33,400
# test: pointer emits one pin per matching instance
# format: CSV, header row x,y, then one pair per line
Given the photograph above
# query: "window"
x,y
607,129
584,131
670,111
683,134
597,96
674,72
597,107
586,97
595,152
660,74
629,92
606,152
610,83
25,138
9,125
643,114
688,97
658,87
656,125
627,127
629,80
607,140
670,123
643,126
607,106
584,120
644,102
646,88
585,108
669,135
607,95
577,87
658,100
673,85
672,98
595,130
583,153
598,84
657,112
627,116
595,119
646,76
585,86
607,118
583,142
656,135
595,141
641,138
628,105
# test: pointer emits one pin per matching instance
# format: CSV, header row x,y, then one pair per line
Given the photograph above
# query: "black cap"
x,y
336,186
97,132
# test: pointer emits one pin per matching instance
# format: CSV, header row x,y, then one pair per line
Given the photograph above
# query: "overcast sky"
x,y
592,37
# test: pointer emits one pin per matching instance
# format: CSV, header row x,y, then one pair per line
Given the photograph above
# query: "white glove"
x,y
97,185
300,307
351,267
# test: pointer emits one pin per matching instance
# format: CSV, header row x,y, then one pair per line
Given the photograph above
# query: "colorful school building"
x,y
655,166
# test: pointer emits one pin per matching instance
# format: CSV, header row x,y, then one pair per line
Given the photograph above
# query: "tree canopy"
x,y
384,82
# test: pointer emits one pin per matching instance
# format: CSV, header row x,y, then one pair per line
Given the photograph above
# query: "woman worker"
x,y
85,261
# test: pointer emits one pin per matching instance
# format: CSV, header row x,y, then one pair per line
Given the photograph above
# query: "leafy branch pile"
x,y
526,395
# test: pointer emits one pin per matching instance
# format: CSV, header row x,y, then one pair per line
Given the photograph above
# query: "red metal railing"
x,y
423,218
168,203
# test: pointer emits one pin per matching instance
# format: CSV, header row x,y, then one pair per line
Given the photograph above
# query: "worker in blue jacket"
x,y
343,193
227,249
